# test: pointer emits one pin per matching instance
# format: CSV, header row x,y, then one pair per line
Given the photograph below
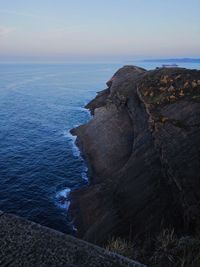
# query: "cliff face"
x,y
142,146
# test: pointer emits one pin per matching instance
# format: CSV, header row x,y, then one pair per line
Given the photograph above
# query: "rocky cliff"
x,y
142,147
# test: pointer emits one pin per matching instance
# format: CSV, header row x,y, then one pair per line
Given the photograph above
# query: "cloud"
x,y
11,12
26,15
4,30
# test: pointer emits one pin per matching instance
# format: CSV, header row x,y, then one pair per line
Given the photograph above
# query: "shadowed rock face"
x,y
142,146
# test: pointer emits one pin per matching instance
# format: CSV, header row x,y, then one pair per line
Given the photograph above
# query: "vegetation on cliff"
x,y
165,250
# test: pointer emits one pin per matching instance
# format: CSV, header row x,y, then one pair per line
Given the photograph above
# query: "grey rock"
x,y
24,243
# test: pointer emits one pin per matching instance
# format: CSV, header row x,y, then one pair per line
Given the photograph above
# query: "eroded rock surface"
x,y
24,243
142,145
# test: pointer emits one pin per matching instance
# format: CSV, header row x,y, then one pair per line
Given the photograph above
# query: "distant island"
x,y
176,60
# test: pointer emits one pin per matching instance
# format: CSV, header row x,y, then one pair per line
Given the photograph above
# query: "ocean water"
x,y
39,162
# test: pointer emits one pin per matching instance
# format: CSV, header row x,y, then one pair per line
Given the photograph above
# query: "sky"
x,y
79,30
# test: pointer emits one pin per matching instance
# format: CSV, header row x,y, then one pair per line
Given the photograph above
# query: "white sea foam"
x,y
72,140
62,199
76,152
79,109
84,174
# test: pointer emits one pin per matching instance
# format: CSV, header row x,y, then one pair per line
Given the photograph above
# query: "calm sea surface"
x,y
39,163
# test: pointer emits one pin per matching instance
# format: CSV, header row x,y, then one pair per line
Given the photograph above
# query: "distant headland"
x,y
172,60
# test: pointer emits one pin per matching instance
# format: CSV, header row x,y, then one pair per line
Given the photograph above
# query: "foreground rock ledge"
x,y
142,146
24,243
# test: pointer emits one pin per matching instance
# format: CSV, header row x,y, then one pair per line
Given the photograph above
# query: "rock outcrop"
x,y
142,146
24,243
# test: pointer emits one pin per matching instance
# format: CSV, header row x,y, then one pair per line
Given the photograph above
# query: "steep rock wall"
x,y
143,149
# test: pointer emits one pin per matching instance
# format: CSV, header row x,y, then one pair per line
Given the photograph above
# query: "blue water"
x,y
39,163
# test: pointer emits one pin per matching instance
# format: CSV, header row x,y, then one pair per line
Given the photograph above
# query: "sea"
x,y
39,161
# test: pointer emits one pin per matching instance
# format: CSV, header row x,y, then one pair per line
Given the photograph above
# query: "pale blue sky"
x,y
61,30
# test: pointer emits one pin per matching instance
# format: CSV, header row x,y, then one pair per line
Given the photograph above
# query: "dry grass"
x,y
120,246
165,244
177,252
166,250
